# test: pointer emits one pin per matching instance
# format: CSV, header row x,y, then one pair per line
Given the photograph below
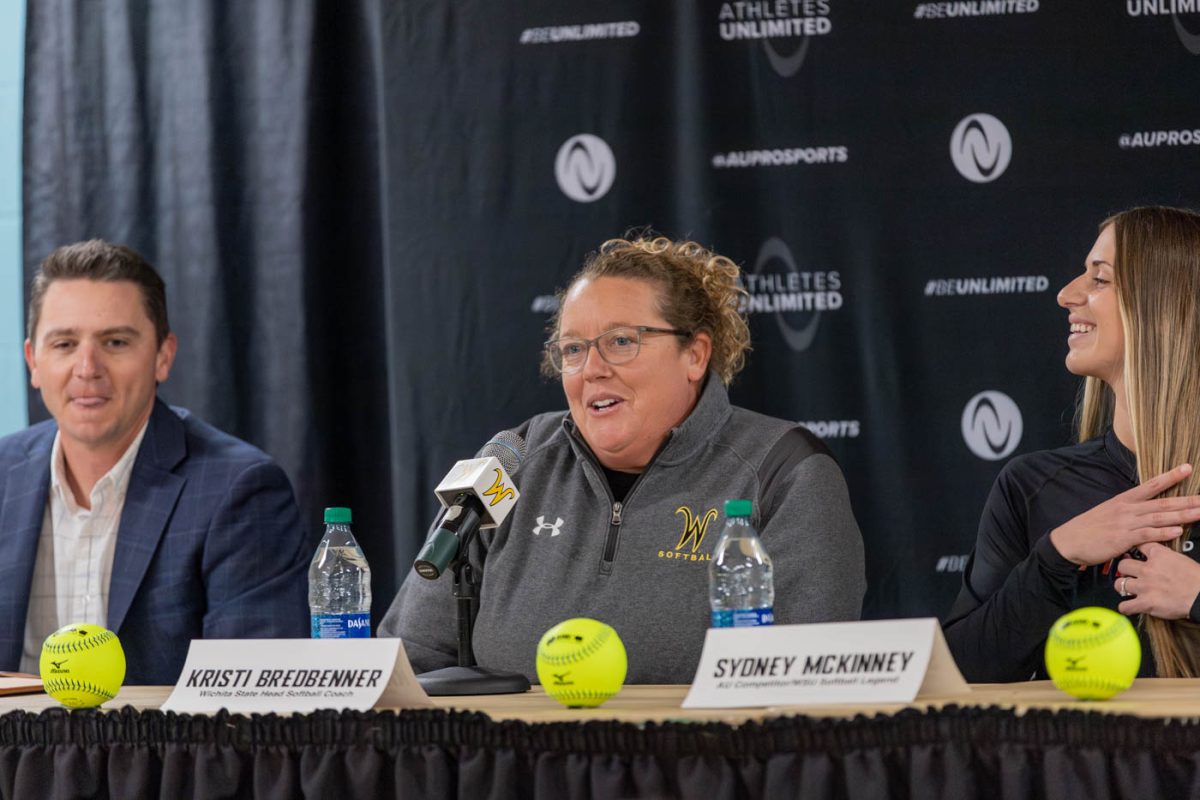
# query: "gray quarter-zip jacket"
x,y
568,550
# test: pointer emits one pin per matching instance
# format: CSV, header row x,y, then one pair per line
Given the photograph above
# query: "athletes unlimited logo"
x,y
767,20
991,425
796,298
585,168
981,148
1151,8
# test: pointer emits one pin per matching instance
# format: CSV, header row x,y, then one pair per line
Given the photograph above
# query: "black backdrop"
x,y
362,210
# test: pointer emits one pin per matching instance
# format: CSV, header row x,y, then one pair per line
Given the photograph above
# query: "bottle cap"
x,y
337,516
738,508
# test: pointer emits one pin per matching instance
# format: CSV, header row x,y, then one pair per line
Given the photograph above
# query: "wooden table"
x,y
1149,697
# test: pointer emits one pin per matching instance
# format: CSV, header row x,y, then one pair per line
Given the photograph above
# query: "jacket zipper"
x,y
614,533
614,520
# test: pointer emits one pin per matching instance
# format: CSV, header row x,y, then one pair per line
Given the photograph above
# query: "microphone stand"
x,y
468,677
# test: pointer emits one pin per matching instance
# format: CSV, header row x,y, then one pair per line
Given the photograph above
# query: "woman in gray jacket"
x,y
622,496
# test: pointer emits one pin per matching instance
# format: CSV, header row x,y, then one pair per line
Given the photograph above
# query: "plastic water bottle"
x,y
339,582
741,583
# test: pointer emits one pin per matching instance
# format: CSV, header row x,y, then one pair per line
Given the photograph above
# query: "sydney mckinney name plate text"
x,y
880,661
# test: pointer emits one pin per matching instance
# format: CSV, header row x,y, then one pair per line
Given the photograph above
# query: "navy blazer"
x,y
210,544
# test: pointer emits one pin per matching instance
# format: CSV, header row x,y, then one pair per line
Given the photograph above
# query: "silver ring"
x,y
1122,590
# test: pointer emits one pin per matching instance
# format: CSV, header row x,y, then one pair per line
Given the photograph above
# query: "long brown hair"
x,y
1157,280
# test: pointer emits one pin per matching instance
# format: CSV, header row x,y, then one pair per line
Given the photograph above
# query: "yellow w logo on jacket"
x,y
694,527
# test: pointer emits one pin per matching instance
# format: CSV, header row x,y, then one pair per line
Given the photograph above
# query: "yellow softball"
x,y
1093,653
82,665
581,662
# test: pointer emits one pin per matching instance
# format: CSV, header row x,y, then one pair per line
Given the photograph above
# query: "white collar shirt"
x,y
73,567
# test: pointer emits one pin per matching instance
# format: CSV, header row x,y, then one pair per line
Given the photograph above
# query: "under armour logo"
x,y
543,525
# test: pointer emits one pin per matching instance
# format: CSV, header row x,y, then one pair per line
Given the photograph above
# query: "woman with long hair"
x,y
1106,521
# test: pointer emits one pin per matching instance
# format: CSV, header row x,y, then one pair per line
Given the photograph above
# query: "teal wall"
x,y
12,367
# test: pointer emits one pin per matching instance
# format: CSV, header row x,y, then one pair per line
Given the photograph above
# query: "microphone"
x,y
477,494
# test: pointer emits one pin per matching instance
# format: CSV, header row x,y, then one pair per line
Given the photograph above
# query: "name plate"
x,y
295,675
879,661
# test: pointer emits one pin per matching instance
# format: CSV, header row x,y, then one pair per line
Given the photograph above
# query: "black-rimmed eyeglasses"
x,y
618,346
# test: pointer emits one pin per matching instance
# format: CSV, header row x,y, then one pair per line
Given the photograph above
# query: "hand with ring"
x,y
1164,585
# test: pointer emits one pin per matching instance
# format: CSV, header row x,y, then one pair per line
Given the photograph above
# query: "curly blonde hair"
x,y
699,292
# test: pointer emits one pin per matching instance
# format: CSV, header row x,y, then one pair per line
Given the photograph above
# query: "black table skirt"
x,y
950,753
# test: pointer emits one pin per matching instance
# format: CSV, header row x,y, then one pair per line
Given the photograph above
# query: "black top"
x,y
619,483
1016,584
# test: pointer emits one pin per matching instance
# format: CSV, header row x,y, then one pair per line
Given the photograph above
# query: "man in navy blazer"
x,y
124,511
